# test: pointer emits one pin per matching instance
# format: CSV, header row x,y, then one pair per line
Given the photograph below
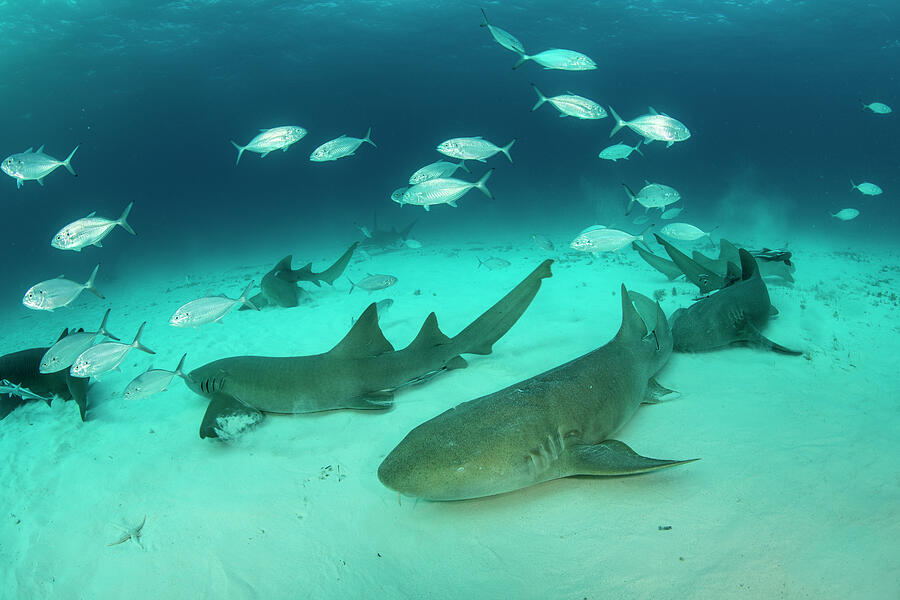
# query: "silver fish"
x,y
503,37
683,231
604,240
397,194
340,147
556,58
14,389
89,231
493,263
208,309
570,105
269,140
653,126
373,283
542,242
879,108
34,166
652,195
846,214
436,170
866,188
620,151
472,148
106,356
58,292
63,353
445,190
153,381
671,213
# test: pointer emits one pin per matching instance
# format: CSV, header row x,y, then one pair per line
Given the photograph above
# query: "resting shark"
x,y
361,371
21,380
705,279
771,263
556,424
733,315
279,286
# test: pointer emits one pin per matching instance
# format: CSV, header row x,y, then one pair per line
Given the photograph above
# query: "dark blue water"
x,y
154,91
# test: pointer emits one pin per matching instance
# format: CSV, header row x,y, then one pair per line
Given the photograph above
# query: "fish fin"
x,y
240,150
612,457
541,98
481,183
633,326
427,208
365,338
505,149
373,401
179,370
18,183
91,215
756,338
68,162
98,244
522,59
227,417
453,203
657,393
429,336
337,269
669,145
30,149
243,299
264,154
637,148
619,122
259,301
89,285
486,24
632,198
652,110
123,220
368,139
136,344
41,149
78,388
648,140
41,181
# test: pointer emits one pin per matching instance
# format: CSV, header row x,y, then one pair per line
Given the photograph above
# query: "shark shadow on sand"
x,y
360,372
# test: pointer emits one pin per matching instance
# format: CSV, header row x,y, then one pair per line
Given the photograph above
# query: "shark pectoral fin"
x,y
373,401
226,417
612,457
657,393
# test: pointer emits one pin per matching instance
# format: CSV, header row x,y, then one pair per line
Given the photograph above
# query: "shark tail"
x,y
123,220
240,150
330,274
89,284
481,335
541,98
136,344
68,163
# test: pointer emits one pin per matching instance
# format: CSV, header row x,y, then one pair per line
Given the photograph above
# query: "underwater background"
x,y
797,492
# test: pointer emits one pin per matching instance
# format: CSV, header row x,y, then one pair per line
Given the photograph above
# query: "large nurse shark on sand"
x,y
556,424
360,372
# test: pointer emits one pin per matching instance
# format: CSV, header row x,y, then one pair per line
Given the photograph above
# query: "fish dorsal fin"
x,y
429,336
30,148
652,110
64,333
364,338
263,129
91,215
41,149
749,267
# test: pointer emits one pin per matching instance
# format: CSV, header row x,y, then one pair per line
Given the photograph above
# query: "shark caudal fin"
x,y
664,266
480,336
330,274
694,272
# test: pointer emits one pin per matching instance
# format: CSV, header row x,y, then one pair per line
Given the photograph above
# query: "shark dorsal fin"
x,y
284,264
633,326
732,273
646,308
748,265
728,251
364,338
429,336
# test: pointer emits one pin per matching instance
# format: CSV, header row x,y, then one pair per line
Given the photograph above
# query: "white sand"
x,y
796,495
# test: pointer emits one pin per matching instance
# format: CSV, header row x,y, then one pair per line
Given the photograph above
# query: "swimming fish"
x,y
683,231
620,151
89,231
493,263
879,108
153,381
652,195
58,292
542,242
34,166
435,170
396,196
106,356
571,105
445,190
556,58
269,140
846,214
373,283
503,37
869,189
340,147
63,353
653,126
472,148
603,239
671,213
208,309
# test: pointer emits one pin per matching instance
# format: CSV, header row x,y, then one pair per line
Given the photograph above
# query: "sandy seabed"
x,y
797,494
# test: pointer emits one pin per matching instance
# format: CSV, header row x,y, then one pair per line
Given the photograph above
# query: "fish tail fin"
x,y
640,236
522,59
136,344
485,22
240,150
462,165
637,148
179,370
352,285
619,122
505,149
631,198
89,284
541,98
123,220
853,186
103,330
244,298
368,138
480,184
68,163
480,262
